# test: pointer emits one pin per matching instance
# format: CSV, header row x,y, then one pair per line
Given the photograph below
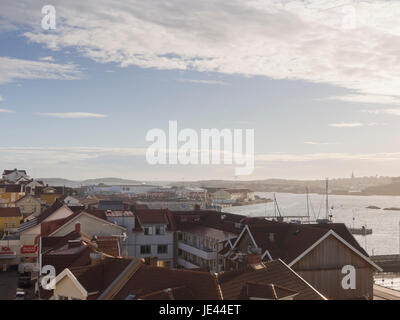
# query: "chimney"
x,y
253,258
78,227
151,261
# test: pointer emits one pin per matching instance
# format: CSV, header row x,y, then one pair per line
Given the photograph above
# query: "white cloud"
x,y
84,162
346,125
6,111
203,81
287,157
1,98
280,39
48,58
73,115
375,99
314,143
355,124
394,112
12,69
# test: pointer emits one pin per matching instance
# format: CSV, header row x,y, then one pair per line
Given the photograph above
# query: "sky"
x,y
318,81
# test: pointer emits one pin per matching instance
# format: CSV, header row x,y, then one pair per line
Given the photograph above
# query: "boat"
x,y
363,231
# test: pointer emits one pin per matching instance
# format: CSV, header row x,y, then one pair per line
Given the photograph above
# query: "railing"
x,y
205,254
202,248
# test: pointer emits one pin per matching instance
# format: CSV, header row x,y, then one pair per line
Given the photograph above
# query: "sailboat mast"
x,y
327,200
308,206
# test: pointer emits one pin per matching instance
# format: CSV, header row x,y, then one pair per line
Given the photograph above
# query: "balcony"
x,y
204,253
186,264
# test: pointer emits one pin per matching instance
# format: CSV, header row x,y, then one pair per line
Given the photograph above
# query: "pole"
x,y
308,207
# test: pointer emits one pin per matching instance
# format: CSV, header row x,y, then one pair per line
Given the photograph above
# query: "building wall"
x,y
128,223
154,240
66,288
221,194
322,268
50,198
200,251
14,245
91,226
188,205
8,223
28,206
10,197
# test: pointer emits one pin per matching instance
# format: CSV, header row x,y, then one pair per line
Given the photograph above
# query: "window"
x,y
160,230
162,249
145,249
148,231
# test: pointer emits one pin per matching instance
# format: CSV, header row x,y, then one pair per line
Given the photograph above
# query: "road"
x,y
8,284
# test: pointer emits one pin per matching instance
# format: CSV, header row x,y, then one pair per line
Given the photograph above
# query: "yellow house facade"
x,y
11,193
10,218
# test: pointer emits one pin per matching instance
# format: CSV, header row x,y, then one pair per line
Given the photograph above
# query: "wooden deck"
x,y
383,293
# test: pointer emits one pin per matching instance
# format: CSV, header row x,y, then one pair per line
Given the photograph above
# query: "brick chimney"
x,y
78,227
254,258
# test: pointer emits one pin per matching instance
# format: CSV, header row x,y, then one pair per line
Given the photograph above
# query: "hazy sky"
x,y
318,81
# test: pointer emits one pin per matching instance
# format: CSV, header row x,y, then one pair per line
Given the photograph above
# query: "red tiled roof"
x,y
7,172
110,245
99,276
13,188
147,280
218,220
290,240
179,293
152,216
74,257
265,291
212,233
10,212
49,211
275,272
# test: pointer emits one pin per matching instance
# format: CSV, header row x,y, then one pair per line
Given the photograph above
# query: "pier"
x,y
389,262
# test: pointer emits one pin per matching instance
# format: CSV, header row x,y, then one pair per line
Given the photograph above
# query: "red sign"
x,y
4,249
28,249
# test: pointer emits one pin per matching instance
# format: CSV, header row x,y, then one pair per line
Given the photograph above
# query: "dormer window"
x,y
160,230
148,231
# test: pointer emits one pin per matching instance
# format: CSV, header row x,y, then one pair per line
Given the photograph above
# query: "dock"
x,y
389,262
361,231
383,293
